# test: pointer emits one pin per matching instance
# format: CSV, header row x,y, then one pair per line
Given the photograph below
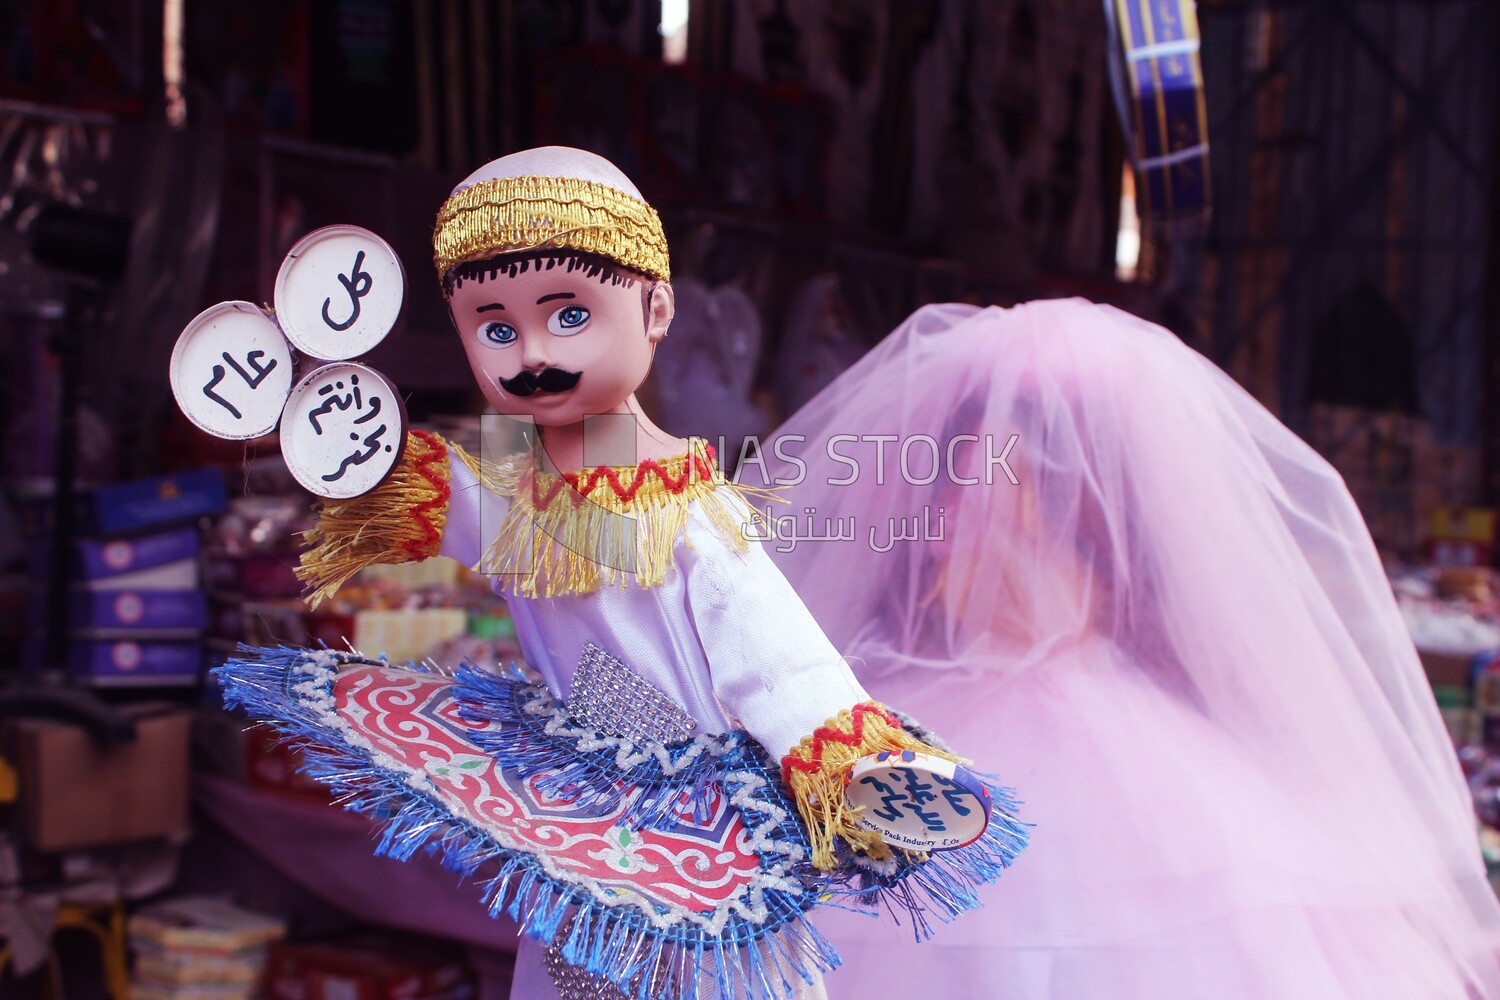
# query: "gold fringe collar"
x,y
573,533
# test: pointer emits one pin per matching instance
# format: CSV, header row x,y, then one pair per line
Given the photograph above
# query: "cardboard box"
x,y
1465,726
186,496
258,576
259,623
134,506
331,628
1484,668
137,613
75,794
274,763
1398,472
1461,536
205,925
407,633
221,743
179,575
102,558
369,966
1445,669
125,662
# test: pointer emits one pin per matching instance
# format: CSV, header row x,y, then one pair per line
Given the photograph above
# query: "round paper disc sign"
x,y
919,801
231,371
343,431
339,292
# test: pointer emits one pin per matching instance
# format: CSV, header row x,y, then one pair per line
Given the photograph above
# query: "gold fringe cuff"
x,y
401,520
609,526
511,214
816,772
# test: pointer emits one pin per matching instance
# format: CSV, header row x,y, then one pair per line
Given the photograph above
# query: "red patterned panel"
x,y
412,719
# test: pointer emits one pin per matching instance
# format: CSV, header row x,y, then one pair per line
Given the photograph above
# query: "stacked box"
x,y
1398,473
200,948
127,509
1485,670
1462,537
275,764
250,573
137,613
76,794
368,966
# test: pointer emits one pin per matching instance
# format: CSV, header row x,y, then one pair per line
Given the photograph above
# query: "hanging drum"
x,y
1158,84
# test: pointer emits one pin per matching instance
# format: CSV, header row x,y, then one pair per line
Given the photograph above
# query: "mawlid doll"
x,y
691,767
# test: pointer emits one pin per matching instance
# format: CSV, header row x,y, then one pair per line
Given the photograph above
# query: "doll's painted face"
x,y
555,344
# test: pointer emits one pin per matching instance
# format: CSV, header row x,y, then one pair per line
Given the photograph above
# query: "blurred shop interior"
x,y
823,168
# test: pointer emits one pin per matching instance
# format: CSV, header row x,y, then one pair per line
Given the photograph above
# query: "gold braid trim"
x,y
609,526
511,214
401,520
816,772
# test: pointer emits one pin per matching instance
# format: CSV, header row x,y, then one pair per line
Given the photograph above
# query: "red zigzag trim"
x,y
813,763
695,469
431,538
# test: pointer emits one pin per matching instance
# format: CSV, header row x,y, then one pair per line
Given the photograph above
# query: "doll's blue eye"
x,y
568,320
497,335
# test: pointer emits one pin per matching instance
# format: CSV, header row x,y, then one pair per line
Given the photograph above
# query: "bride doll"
x,y
1163,612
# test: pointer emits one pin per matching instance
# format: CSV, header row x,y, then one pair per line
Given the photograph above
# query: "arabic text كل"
x,y
357,284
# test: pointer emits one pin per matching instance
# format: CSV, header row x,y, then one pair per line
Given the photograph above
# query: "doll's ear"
x,y
661,306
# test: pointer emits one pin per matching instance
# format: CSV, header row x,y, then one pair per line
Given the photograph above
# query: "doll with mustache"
x,y
660,803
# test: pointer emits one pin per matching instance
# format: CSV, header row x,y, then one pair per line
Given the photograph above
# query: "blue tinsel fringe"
x,y
754,960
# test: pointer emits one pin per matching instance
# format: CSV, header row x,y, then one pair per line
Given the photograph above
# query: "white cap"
x,y
554,161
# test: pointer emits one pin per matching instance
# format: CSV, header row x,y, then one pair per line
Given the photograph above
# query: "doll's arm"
x,y
775,670
432,503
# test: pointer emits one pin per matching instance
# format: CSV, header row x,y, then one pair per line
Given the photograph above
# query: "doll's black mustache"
x,y
547,380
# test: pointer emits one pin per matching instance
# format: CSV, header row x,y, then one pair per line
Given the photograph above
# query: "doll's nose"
x,y
534,356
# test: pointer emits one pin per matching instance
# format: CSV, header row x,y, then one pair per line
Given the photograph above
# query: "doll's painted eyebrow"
x,y
556,295
490,308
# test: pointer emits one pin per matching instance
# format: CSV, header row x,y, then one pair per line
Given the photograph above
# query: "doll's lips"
x,y
527,383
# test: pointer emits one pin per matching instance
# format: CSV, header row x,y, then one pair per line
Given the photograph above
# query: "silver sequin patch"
x,y
609,697
573,983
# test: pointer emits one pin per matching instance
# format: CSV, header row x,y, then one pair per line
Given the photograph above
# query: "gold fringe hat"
x,y
512,214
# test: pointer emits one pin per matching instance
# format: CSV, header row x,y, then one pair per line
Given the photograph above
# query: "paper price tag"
x,y
918,801
231,371
343,431
339,292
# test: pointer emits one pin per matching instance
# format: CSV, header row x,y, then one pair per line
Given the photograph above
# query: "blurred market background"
x,y
1326,228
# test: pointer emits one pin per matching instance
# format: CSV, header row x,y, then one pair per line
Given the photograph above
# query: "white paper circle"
x,y
918,801
231,371
339,292
343,431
